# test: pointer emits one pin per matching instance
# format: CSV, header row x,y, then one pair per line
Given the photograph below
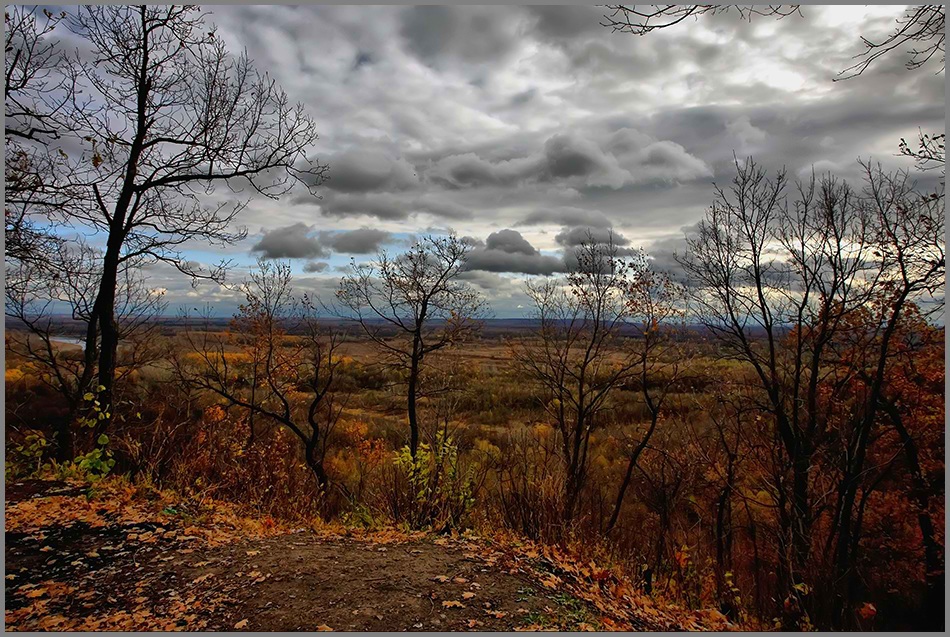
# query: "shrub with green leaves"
x,y
440,492
25,460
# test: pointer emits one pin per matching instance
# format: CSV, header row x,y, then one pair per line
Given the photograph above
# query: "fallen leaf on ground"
x,y
324,628
241,624
453,604
468,595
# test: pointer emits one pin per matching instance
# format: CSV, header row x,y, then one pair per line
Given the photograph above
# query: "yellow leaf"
x,y
241,624
453,604
468,595
324,628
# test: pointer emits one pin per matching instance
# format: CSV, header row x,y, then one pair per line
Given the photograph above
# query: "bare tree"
x,y
931,151
656,306
36,91
775,284
922,27
413,305
35,87
643,19
164,115
67,281
576,353
262,369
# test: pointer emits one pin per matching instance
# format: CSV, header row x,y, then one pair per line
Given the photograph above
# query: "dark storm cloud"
x,y
361,241
566,21
570,237
510,241
467,34
315,266
393,206
359,170
624,157
470,170
567,217
442,208
507,251
381,206
499,261
290,242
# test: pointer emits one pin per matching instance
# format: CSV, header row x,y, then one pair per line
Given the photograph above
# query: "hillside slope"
x,y
119,557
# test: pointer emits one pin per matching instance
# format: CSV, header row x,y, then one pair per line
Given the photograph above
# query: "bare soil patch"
x,y
112,569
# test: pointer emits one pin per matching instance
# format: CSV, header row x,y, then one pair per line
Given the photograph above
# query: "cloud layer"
x,y
525,128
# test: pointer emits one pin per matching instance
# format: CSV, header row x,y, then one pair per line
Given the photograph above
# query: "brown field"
x,y
505,468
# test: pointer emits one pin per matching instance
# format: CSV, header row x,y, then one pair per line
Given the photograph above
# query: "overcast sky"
x,y
522,127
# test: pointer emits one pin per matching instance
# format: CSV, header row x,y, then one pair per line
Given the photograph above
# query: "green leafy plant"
x,y
96,464
441,493
94,411
25,460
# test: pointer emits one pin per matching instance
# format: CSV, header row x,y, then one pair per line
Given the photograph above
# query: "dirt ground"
x,y
102,572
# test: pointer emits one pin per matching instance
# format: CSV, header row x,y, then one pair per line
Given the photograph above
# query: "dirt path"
x,y
76,563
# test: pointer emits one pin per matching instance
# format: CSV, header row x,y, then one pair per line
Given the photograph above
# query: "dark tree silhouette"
x,y
418,296
162,114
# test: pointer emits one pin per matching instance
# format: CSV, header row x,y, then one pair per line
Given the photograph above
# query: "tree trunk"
x,y
66,440
801,522
108,328
316,466
724,544
634,458
934,598
411,403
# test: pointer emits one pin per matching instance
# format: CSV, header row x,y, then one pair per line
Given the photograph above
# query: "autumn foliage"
x,y
779,465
